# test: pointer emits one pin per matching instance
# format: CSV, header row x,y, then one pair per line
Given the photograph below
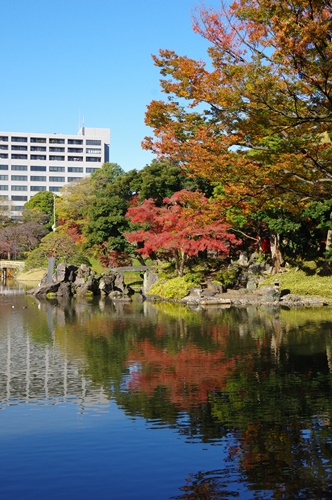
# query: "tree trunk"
x,y
276,252
329,236
182,263
180,259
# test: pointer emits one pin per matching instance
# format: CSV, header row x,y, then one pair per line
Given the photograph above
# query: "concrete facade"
x,y
30,163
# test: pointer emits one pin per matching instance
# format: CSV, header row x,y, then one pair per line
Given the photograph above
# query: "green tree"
x,y
162,179
58,245
41,208
106,221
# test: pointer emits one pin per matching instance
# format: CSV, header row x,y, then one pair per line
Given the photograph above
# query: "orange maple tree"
x,y
256,117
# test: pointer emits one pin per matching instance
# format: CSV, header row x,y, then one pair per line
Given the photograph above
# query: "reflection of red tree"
x,y
189,374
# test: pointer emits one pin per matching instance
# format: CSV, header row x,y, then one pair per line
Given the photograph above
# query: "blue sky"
x,y
65,60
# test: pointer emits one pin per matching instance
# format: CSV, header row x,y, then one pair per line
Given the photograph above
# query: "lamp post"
x,y
51,259
54,220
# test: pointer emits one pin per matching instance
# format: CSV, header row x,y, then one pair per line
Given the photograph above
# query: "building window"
x,y
57,150
75,158
19,148
3,147
19,188
19,198
55,189
57,169
3,155
3,187
19,177
75,141
75,169
3,138
38,157
38,178
56,141
75,150
90,170
19,157
93,158
38,188
57,179
18,208
56,158
72,179
19,139
3,167
35,168
19,167
93,151
37,148
38,139
4,177
93,142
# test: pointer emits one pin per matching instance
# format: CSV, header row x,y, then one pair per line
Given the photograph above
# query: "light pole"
x,y
54,220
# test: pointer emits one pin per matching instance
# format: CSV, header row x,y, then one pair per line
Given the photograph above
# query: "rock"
x,y
251,284
43,290
243,259
271,295
89,287
71,280
64,290
255,268
106,284
149,279
64,273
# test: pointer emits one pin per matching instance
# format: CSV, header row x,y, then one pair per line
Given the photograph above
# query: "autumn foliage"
x,y
255,117
187,223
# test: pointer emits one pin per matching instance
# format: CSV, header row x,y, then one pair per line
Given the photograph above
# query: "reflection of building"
x,y
30,163
31,372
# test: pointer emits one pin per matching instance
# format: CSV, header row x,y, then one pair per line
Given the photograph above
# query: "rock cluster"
x,y
69,281
266,295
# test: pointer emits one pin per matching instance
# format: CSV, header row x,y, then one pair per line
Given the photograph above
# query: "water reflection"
x,y
255,380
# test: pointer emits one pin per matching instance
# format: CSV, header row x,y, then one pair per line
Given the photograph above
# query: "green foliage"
x,y
228,276
42,203
303,282
320,212
162,179
58,245
175,288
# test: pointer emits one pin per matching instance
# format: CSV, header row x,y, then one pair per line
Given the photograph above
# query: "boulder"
x,y
106,284
43,290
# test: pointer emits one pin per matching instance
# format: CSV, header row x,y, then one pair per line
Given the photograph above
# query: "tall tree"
x,y
257,117
111,195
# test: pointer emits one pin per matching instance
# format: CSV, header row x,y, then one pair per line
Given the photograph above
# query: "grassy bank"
x,y
303,282
33,276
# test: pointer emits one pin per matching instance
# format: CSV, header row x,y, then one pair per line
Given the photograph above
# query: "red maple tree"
x,y
186,224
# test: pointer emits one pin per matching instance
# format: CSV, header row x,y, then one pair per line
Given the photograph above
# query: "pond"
x,y
158,401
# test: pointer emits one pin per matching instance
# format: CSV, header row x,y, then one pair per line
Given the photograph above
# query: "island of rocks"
x,y
72,281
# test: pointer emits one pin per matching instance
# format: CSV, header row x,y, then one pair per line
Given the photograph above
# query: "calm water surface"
x,y
103,400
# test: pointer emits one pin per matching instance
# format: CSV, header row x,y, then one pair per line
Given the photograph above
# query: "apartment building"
x,y
30,163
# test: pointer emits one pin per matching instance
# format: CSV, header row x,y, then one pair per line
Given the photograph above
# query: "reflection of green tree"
x,y
36,324
105,358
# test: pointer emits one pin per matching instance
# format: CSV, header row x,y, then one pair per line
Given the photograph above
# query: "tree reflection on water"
x,y
255,380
